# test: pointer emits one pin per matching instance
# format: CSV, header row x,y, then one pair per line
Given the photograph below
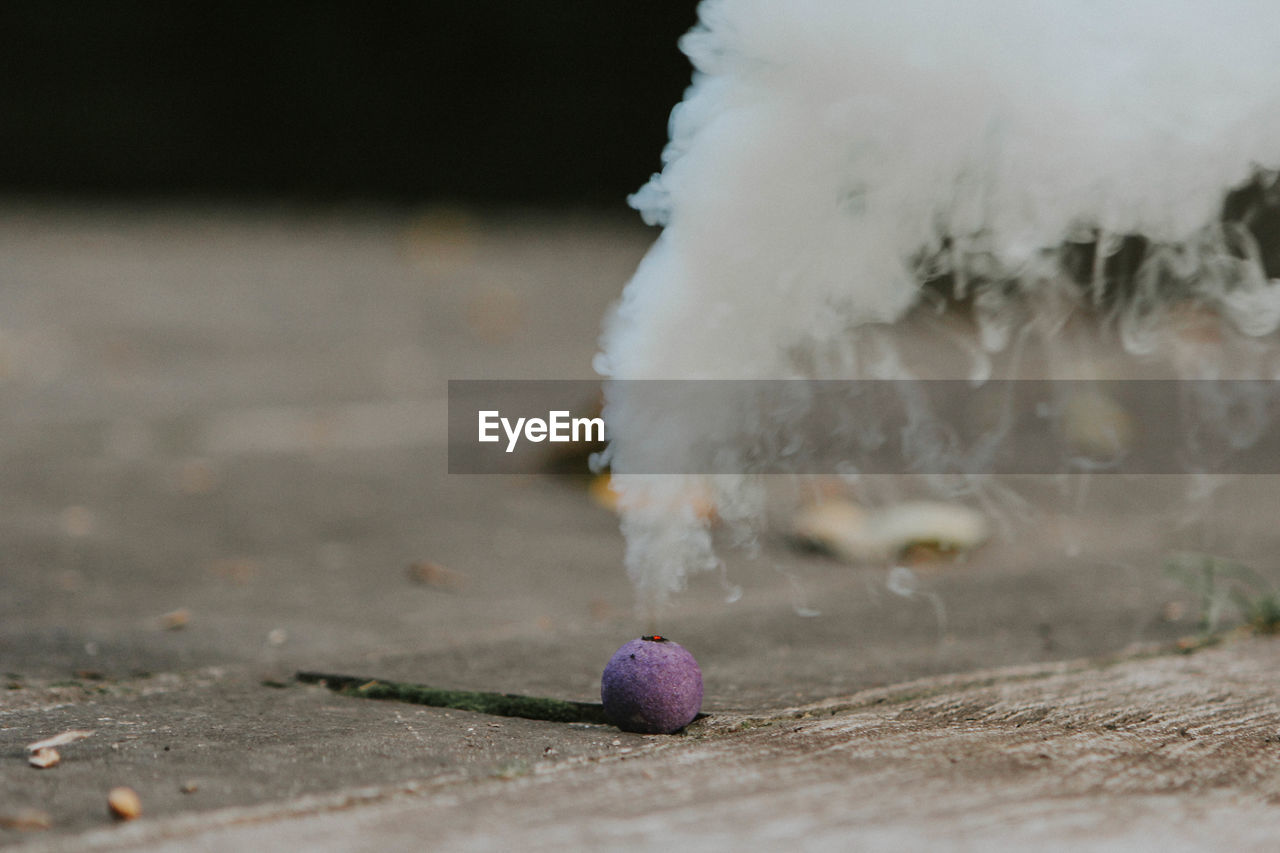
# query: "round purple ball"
x,y
651,685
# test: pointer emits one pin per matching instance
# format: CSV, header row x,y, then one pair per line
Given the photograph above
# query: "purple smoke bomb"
x,y
651,685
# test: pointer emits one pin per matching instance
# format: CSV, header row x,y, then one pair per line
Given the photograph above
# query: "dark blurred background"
x,y
563,102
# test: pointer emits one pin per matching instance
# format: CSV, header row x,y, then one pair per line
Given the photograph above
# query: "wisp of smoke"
x,y
834,157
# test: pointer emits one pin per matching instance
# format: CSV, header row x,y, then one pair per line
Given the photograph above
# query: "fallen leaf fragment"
x,y
858,535
239,572
175,620
696,498
44,758
59,739
124,803
437,576
945,526
26,820
1095,425
602,492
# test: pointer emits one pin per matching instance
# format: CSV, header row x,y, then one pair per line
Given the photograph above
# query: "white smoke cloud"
x,y
825,143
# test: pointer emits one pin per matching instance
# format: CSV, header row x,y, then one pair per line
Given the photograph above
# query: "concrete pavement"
x,y
222,445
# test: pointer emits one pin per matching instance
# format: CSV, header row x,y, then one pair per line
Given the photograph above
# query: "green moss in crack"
x,y
499,704
1222,585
